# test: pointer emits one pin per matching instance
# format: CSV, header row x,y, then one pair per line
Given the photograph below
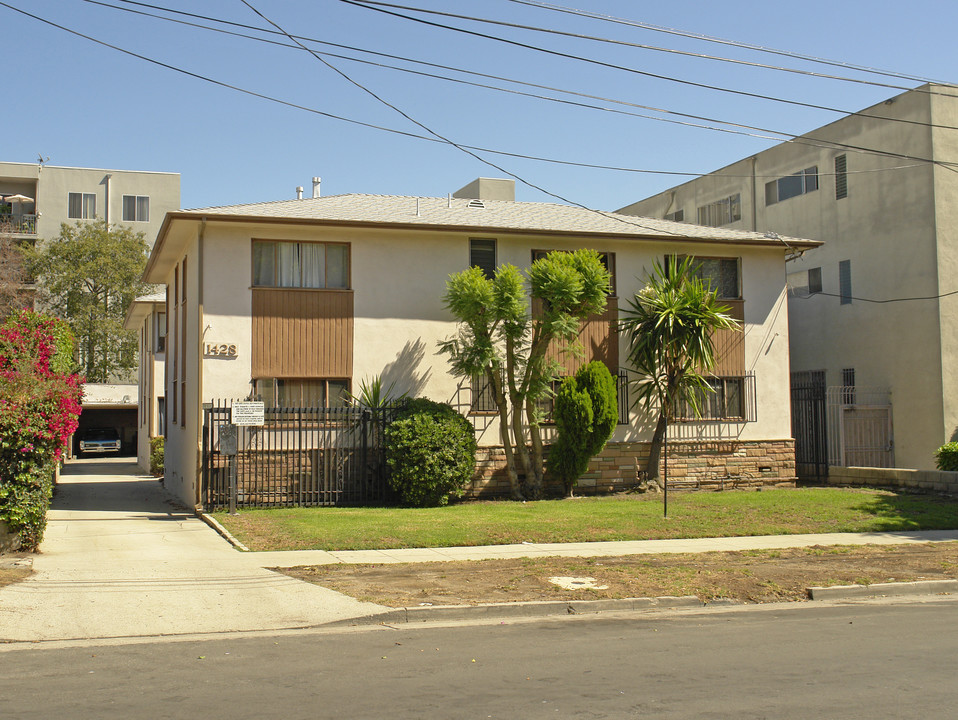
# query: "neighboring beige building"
x,y
52,195
296,301
147,316
880,188
35,199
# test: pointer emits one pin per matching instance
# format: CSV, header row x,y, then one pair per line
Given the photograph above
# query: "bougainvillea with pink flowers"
x,y
39,409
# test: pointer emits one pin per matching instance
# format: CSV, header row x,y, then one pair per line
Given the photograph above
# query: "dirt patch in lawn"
x,y
749,576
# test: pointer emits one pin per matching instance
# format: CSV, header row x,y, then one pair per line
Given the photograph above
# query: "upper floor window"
x,y
845,282
804,181
81,206
721,273
482,254
136,208
721,212
160,332
841,177
300,264
677,216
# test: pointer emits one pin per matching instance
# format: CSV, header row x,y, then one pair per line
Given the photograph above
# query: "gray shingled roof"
x,y
491,215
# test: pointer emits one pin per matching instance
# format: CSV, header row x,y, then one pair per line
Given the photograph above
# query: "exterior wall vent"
x,y
477,204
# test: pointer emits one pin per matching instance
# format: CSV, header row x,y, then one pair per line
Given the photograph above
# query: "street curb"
x,y
542,608
227,535
919,587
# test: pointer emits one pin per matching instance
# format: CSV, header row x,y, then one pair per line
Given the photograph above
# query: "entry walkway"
x,y
121,559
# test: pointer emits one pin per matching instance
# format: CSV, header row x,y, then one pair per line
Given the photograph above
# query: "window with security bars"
x,y
841,177
301,393
729,398
848,386
802,182
721,212
483,396
720,274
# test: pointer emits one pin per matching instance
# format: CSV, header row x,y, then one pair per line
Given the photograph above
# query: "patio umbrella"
x,y
18,198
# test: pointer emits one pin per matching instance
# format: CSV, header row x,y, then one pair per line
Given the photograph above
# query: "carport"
x,y
109,406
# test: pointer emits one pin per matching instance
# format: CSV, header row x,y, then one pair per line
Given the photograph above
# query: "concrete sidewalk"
x,y
120,559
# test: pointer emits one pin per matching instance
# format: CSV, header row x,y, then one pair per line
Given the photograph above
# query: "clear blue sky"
x,y
82,104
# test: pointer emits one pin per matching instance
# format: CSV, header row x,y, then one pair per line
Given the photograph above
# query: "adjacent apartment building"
x,y
873,314
35,199
296,302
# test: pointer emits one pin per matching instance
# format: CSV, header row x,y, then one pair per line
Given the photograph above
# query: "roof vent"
x,y
478,204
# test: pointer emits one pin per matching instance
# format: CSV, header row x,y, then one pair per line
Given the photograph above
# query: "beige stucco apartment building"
x,y
873,307
299,300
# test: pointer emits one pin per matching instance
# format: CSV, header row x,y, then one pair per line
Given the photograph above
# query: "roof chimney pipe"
x,y
299,192
316,182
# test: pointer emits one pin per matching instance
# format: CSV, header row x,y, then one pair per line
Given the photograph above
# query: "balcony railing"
x,y
23,224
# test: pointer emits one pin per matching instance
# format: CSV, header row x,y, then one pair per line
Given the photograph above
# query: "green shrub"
x,y
586,412
946,457
430,453
156,456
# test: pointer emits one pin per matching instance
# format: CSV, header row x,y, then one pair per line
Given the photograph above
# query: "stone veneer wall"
x,y
936,481
693,465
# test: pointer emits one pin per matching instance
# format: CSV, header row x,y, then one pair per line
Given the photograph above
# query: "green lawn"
x,y
697,514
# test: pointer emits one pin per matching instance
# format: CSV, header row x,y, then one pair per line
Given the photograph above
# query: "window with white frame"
x,y
802,182
300,264
302,393
136,208
81,206
721,212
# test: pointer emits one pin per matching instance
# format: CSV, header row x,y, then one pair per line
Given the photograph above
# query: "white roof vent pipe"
x,y
316,184
299,192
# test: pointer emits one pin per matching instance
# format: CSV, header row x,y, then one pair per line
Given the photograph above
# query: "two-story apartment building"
x,y
874,308
295,302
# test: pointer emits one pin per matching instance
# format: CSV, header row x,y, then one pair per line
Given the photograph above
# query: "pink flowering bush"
x,y
39,409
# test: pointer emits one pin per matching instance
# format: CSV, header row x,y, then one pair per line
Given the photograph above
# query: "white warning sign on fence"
x,y
248,413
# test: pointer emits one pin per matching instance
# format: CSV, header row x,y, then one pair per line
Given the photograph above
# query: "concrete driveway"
x,y
121,559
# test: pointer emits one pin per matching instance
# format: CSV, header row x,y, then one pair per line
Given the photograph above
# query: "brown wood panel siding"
x,y
302,333
598,337
730,344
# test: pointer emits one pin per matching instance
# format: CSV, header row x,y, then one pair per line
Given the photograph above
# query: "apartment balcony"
x,y
18,224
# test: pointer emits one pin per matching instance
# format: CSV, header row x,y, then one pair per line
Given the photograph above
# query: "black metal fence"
x,y
809,425
298,457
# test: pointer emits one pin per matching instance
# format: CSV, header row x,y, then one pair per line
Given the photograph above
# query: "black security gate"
x,y
299,457
809,426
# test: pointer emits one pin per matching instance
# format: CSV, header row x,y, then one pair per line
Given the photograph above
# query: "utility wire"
x,y
760,132
732,43
654,48
876,302
381,8
444,139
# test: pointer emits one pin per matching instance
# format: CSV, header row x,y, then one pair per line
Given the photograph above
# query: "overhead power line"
x,y
731,43
733,127
381,7
653,48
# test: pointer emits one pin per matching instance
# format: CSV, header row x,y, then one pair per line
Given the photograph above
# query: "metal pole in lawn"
x,y
665,471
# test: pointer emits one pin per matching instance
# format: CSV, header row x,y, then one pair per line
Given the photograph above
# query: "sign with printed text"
x,y
248,413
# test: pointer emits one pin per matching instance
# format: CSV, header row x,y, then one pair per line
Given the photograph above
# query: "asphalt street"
x,y
858,660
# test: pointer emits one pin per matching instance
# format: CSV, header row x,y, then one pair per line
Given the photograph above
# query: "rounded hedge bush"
x,y
946,457
430,453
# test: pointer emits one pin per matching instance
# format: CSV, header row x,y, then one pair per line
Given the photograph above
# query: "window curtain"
x,y
288,262
313,259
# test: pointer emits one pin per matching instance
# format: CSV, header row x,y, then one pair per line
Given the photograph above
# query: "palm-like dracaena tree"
x,y
670,323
